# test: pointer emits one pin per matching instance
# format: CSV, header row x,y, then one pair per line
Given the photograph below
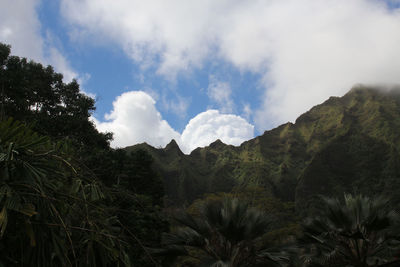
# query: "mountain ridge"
x,y
277,159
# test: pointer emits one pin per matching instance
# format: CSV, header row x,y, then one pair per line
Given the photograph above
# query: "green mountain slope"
x,y
286,160
353,163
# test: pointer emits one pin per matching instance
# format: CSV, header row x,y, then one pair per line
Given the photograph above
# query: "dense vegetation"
x,y
68,199
355,231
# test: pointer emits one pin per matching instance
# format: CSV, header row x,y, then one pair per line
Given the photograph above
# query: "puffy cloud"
x,y
211,125
305,50
220,92
135,119
21,28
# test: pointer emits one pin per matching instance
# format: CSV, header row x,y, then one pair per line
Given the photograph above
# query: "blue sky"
x,y
197,71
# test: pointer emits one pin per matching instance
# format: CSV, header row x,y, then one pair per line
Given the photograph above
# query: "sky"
x,y
198,71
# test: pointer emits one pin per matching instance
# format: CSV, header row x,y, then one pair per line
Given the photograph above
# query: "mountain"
x,y
351,163
347,143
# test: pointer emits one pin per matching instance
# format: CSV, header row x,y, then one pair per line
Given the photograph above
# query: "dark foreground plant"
x,y
226,233
359,231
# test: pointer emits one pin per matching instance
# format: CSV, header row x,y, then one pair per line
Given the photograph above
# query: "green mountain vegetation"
x,y
67,198
346,144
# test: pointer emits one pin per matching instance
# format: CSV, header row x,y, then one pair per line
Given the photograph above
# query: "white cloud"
x,y
327,47
21,28
135,119
170,30
211,125
220,93
306,50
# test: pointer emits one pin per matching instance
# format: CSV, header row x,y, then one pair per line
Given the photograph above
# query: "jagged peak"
x,y
217,143
143,145
173,143
173,146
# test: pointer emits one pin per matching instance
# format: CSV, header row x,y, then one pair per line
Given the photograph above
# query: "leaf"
x,y
30,233
75,186
3,221
28,209
5,192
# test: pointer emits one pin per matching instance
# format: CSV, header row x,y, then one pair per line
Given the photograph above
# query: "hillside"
x,y
357,133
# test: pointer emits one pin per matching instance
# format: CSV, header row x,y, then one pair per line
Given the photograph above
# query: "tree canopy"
x,y
66,197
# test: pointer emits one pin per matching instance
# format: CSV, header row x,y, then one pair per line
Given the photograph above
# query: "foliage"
x,y
359,231
37,95
353,163
227,233
49,213
66,197
54,215
142,224
285,223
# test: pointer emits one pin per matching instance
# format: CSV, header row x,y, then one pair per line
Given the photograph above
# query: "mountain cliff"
x,y
347,143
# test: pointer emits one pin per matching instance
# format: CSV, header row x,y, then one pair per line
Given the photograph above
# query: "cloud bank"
x,y
304,50
135,119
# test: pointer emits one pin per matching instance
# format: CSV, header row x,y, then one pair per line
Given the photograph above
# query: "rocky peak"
x,y
217,144
173,147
